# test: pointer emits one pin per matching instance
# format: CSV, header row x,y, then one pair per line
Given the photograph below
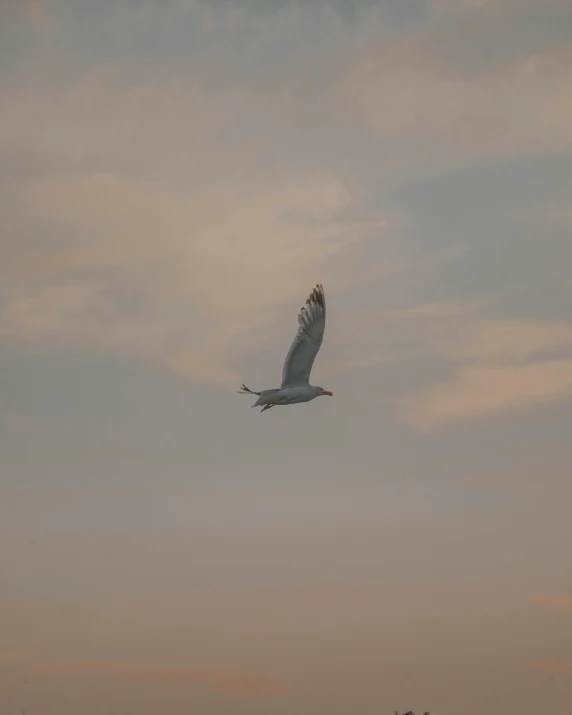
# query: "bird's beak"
x,y
331,394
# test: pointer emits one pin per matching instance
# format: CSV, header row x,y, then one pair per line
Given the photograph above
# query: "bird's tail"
x,y
247,391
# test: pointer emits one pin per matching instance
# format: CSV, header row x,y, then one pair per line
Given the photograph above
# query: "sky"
x,y
175,177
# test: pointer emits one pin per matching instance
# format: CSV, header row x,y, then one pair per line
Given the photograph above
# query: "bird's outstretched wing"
x,y
303,351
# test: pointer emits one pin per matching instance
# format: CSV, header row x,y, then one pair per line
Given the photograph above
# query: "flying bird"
x,y
298,365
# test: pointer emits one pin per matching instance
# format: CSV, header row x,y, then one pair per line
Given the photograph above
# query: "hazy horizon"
x,y
175,178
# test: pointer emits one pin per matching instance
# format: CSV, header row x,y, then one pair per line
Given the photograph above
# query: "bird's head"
x,y
320,391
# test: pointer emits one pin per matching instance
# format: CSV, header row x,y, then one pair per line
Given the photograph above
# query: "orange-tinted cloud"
x,y
200,234
10,656
35,12
202,268
200,248
433,311
498,368
479,390
232,683
554,603
443,112
556,667
502,341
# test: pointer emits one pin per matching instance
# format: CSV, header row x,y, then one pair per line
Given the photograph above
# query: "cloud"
x,y
15,422
501,341
35,12
166,212
435,310
370,336
433,100
184,244
553,603
43,313
499,366
557,667
168,276
11,656
477,391
231,683
419,97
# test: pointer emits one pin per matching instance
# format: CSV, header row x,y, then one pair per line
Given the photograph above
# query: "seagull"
x,y
298,365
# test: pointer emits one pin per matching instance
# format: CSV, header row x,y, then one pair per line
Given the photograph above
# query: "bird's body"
x,y
285,396
298,365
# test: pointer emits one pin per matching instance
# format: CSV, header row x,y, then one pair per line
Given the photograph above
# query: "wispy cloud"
x,y
16,422
231,683
555,667
499,366
553,603
11,656
173,265
477,391
173,209
435,310
444,112
174,177
503,341
168,276
35,12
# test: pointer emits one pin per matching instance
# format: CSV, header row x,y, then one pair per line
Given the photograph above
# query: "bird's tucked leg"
x,y
245,390
267,407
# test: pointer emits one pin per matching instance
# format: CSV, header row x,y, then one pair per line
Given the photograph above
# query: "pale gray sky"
x,y
175,178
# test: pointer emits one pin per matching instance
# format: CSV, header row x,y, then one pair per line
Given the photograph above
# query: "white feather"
x,y
303,351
